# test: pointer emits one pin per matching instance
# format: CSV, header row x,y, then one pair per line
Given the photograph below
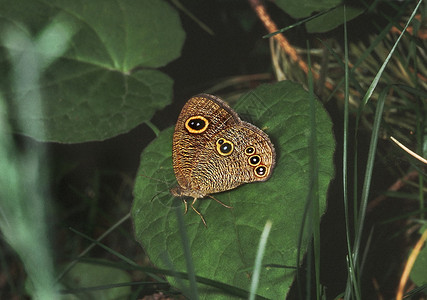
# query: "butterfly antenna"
x,y
158,180
155,179
223,204
157,195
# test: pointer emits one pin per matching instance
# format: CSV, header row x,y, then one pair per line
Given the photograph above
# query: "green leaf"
x,y
326,22
304,8
103,83
225,251
333,19
95,281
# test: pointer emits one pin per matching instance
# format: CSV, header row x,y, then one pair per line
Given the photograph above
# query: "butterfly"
x,y
215,151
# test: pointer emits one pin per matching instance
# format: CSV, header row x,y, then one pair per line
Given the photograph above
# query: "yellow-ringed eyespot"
x,y
254,160
249,150
261,171
196,124
224,147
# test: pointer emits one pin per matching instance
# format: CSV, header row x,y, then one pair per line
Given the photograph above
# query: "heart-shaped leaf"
x,y
225,251
103,82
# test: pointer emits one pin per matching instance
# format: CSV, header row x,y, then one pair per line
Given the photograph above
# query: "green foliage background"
x,y
106,83
104,68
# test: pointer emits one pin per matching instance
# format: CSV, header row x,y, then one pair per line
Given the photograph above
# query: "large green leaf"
x,y
225,251
103,83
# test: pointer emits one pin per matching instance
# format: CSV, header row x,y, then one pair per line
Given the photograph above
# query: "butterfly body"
x,y
215,151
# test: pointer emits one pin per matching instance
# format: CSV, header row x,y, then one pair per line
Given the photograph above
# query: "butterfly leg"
x,y
223,204
186,206
198,212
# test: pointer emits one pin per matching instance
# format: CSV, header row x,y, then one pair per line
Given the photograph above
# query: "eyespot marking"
x,y
249,150
224,147
254,160
196,124
261,171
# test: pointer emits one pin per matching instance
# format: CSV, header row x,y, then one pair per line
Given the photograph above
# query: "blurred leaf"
x,y
225,251
104,84
87,275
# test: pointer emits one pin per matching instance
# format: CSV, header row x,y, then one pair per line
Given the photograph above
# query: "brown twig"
x,y
271,27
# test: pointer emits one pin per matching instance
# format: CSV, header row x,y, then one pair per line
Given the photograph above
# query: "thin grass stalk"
x,y
299,22
381,36
372,149
345,155
374,136
299,250
420,115
368,179
226,288
181,286
314,180
110,286
258,260
421,195
85,251
368,54
193,293
189,14
306,220
377,77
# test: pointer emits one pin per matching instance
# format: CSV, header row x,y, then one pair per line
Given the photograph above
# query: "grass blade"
x,y
258,260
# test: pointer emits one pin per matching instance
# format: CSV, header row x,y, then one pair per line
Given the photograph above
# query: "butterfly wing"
x,y
200,120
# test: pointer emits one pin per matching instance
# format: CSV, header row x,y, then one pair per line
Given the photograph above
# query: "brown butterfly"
x,y
215,151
